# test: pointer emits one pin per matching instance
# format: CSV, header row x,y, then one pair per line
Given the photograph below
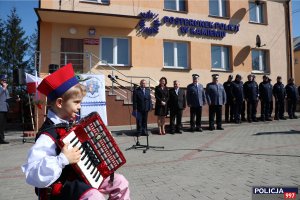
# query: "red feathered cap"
x,y
57,83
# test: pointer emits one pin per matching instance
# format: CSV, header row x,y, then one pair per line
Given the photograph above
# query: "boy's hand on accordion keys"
x,y
73,154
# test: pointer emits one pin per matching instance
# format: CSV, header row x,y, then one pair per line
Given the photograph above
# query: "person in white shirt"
x,y
48,167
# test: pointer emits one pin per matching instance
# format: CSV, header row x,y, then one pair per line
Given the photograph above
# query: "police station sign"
x,y
186,26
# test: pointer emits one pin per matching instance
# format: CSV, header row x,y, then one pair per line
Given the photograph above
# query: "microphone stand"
x,y
137,145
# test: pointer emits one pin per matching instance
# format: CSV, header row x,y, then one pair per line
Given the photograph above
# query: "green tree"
x,y
15,44
31,52
1,46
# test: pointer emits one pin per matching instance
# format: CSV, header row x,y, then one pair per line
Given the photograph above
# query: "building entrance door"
x,y
72,52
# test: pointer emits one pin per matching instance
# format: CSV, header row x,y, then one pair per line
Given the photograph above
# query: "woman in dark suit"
x,y
161,108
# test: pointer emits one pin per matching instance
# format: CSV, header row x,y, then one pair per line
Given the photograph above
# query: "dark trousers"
x,y
271,109
175,114
141,123
279,108
292,103
2,125
251,110
238,107
265,109
243,111
229,111
215,110
195,111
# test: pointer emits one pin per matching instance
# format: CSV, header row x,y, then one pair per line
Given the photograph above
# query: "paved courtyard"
x,y
208,165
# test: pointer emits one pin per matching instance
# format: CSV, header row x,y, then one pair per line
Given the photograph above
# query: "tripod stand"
x,y
140,146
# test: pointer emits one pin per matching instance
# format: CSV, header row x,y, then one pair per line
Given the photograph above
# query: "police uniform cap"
x,y
238,76
278,77
3,77
195,76
215,75
230,76
265,76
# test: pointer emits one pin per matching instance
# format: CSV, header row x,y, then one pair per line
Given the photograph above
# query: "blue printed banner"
x,y
95,97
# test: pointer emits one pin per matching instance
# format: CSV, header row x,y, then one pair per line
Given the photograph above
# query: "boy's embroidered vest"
x,y
68,185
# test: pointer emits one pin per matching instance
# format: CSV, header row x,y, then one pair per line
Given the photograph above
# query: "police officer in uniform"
x,y
238,97
4,96
279,95
251,96
292,98
271,102
216,97
195,96
229,102
265,94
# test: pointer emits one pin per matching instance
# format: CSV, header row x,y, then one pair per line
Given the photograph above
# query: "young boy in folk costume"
x,y
48,167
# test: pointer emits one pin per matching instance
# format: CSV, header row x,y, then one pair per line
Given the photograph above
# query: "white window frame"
x,y
261,54
177,6
175,51
220,5
95,1
259,13
115,51
222,58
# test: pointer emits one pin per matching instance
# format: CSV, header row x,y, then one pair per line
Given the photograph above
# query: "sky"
x,y
26,13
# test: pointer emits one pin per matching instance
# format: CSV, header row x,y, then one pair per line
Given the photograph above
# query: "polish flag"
x,y
32,82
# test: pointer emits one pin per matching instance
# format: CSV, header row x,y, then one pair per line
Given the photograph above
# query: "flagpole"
x,y
31,114
36,98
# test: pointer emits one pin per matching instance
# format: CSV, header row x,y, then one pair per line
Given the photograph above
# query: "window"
x,y
256,12
220,58
176,54
115,50
177,5
218,8
98,1
259,60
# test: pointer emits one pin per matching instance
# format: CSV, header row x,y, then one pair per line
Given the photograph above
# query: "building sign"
x,y
191,27
91,41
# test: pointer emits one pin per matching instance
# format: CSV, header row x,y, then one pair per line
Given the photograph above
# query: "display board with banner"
x,y
95,97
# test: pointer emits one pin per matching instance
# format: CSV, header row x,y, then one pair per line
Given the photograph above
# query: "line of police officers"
x,y
236,96
250,92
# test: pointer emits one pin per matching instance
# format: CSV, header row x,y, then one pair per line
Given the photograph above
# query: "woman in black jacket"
x,y
161,108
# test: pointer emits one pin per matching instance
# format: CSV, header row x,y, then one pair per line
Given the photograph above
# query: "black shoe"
x,y
237,121
4,142
276,118
295,117
282,118
179,131
172,132
211,128
244,119
291,117
269,119
220,128
199,129
192,130
249,120
255,120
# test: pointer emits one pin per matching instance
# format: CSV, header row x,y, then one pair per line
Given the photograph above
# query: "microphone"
x,y
112,78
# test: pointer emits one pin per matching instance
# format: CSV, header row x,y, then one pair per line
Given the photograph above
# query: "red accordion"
x,y
100,155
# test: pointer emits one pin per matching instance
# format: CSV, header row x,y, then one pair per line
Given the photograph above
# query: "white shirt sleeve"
x,y
43,165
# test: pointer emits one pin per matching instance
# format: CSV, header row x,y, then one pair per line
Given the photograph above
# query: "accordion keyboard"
x,y
86,164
